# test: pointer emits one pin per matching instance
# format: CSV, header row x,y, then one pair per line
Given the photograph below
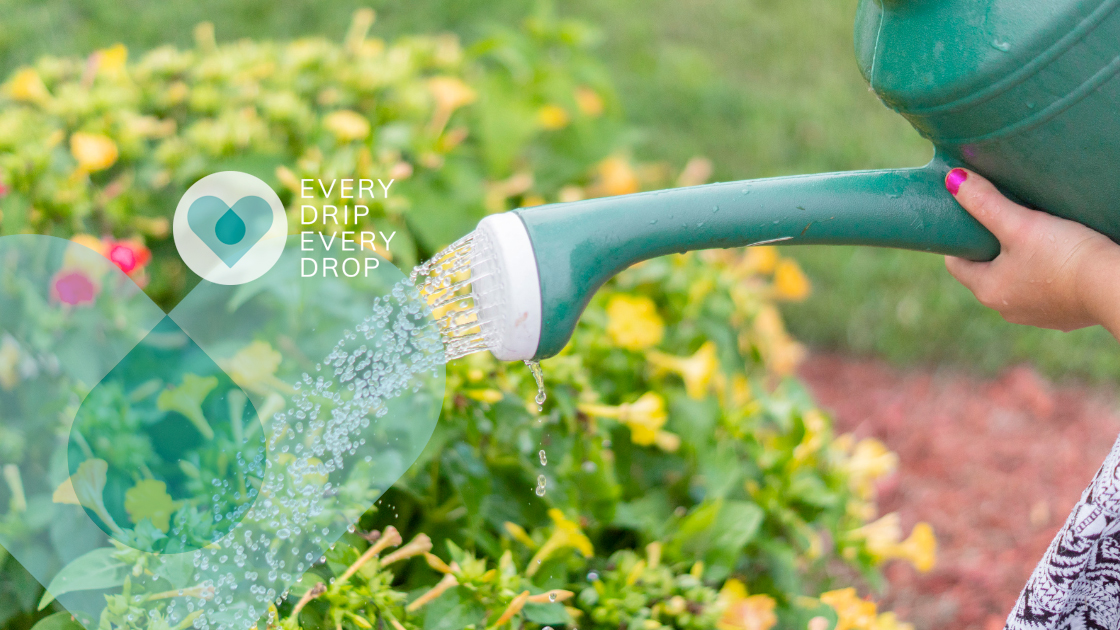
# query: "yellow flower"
x,y
588,101
616,177
94,152
881,536
565,534
852,612
790,282
148,499
489,396
696,371
26,86
780,352
347,125
760,259
920,548
633,322
553,117
254,366
450,93
90,241
745,612
87,486
871,460
644,416
112,60
889,621
187,399
9,362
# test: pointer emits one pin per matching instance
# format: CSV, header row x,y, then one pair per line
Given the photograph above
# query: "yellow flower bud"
x,y
514,607
420,545
448,581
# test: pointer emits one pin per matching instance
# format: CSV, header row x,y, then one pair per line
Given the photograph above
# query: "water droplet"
x,y
653,222
552,596
230,229
538,376
592,576
544,457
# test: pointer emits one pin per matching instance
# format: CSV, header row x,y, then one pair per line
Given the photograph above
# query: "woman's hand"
x,y
1050,273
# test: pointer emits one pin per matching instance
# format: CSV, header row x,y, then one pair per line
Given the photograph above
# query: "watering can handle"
x,y
579,246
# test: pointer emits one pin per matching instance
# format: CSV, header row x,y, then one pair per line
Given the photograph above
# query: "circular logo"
x,y
230,227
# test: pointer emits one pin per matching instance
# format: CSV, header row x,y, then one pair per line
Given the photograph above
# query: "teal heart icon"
x,y
230,231
190,467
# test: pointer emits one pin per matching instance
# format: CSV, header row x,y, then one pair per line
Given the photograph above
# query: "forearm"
x,y
1100,288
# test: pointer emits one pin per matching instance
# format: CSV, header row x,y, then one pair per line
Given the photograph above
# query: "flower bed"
x,y
688,480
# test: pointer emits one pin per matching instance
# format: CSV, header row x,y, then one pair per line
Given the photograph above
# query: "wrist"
x,y
1098,285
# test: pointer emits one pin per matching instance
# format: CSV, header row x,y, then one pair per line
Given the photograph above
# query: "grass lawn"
x,y
763,87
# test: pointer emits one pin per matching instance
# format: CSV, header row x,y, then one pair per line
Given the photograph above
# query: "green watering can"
x,y
1021,91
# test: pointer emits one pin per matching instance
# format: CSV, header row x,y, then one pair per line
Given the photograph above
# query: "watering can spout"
x,y
579,246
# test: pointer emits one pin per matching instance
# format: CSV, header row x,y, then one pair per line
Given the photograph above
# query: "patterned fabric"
x,y
1076,585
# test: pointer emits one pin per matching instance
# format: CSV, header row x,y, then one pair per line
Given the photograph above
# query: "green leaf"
x,y
94,571
717,531
453,610
58,621
552,614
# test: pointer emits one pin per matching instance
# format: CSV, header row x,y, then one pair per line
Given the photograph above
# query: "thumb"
x,y
967,272
980,198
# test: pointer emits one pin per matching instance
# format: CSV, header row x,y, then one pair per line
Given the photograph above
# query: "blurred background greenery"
x,y
761,87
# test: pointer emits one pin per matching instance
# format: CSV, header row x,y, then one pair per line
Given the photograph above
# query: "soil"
x,y
993,465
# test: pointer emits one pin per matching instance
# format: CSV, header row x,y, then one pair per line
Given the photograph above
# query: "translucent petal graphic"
x,y
199,463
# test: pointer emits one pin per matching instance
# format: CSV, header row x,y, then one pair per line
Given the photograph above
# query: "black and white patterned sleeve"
x,y
1076,585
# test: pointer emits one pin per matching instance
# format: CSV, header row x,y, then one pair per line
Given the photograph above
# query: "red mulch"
x,y
993,465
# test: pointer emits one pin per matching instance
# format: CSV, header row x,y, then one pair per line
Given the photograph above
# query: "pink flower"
x,y
73,287
130,255
3,190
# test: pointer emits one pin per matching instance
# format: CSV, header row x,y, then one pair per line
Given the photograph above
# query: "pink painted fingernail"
x,y
955,178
